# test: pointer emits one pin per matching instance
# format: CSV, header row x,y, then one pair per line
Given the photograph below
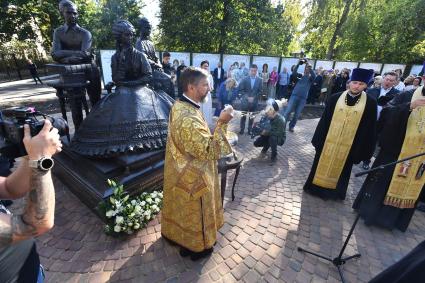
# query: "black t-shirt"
x,y
19,262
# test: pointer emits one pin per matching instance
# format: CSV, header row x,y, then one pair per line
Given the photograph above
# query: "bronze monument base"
x,y
87,177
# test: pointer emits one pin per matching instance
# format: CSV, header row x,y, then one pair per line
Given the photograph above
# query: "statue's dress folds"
x,y
135,117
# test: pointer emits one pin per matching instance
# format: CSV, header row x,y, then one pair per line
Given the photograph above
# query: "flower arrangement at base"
x,y
127,214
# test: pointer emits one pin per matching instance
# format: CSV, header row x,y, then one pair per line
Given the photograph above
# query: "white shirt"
x,y
400,86
382,93
218,73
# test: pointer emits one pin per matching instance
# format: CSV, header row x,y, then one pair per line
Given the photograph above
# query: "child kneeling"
x,y
274,134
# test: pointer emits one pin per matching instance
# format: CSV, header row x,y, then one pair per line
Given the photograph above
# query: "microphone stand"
x,y
340,260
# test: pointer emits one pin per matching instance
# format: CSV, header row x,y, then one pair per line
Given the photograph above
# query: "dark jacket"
x,y
278,128
215,75
375,92
246,91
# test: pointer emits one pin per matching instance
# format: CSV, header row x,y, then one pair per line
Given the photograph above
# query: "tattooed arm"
x,y
38,214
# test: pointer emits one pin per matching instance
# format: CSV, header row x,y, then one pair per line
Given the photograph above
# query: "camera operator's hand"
x,y
45,144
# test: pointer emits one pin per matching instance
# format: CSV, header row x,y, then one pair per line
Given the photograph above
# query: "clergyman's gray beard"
x,y
205,99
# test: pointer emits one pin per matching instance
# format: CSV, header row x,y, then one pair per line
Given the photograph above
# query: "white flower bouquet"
x,y
125,214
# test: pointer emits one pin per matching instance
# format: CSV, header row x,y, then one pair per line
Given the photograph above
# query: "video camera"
x,y
303,61
12,129
260,126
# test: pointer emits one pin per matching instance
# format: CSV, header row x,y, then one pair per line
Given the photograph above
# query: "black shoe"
x,y
185,252
241,132
273,160
291,130
421,207
204,253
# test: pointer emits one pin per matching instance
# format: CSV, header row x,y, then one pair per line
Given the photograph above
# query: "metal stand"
x,y
339,260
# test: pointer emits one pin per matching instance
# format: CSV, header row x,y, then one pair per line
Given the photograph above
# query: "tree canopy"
x,y
358,30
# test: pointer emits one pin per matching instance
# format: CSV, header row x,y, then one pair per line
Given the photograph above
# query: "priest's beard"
x,y
205,99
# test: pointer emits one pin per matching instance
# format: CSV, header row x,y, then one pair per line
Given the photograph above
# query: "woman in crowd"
x,y
226,94
265,77
274,77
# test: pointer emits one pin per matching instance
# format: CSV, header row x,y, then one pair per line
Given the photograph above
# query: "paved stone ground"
x,y
269,218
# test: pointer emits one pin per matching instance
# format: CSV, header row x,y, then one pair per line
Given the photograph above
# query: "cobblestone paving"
x,y
269,218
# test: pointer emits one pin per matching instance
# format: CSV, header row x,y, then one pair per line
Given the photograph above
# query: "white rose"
x,y
143,203
109,213
160,194
117,228
137,208
119,220
130,224
157,200
133,202
147,212
118,204
149,200
136,226
154,194
154,206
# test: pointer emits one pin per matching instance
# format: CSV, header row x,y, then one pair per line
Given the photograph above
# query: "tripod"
x,y
339,260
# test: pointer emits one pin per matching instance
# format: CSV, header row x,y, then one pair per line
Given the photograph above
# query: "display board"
x,y
181,56
325,64
345,64
289,62
270,61
105,60
392,67
374,66
416,69
213,59
228,60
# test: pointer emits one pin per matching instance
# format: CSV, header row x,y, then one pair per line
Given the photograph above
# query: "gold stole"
x,y
340,137
407,181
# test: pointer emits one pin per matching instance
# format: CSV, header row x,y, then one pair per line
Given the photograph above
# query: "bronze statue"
x,y
71,43
161,80
134,117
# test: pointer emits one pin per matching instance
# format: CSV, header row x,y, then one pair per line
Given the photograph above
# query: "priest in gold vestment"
x,y
389,196
192,210
344,136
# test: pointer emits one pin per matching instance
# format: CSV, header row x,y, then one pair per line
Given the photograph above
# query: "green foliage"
x,y
229,26
379,30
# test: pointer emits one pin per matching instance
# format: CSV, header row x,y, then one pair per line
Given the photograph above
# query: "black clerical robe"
x,y
370,200
361,149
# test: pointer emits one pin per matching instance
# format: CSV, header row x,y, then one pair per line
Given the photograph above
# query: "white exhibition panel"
x,y
180,56
289,62
392,67
229,59
105,59
416,69
270,61
374,66
345,64
325,64
213,59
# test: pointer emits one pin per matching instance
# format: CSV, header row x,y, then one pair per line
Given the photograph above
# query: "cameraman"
x,y
274,135
19,261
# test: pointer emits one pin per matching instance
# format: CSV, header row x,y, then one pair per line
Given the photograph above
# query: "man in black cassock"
x,y
362,145
370,200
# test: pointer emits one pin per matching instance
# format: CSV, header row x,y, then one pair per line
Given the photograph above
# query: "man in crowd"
x,y
250,91
344,136
166,65
192,212
383,95
315,87
299,94
284,80
32,67
388,197
19,261
218,76
244,71
275,135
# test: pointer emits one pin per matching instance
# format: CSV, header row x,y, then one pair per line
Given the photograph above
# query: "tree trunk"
x,y
222,46
337,32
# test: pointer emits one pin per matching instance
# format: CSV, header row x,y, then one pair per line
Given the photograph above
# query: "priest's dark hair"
x,y
191,76
166,54
205,62
392,73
